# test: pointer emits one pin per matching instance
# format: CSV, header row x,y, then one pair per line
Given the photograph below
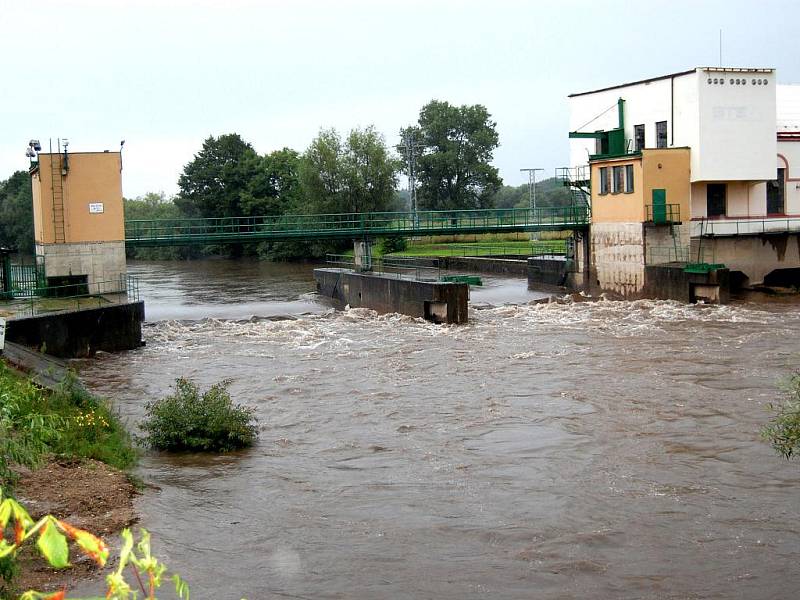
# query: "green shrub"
x,y
68,422
189,420
27,429
783,432
392,244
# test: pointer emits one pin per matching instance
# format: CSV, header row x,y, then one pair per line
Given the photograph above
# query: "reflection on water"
x,y
599,450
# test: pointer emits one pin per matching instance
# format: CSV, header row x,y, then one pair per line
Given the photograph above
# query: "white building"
x,y
716,154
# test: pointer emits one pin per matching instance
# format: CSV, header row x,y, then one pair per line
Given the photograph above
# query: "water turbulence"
x,y
552,450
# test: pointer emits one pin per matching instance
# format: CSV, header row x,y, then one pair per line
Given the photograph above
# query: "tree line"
x,y
448,152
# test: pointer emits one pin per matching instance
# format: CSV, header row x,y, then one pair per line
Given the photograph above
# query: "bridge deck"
x,y
178,232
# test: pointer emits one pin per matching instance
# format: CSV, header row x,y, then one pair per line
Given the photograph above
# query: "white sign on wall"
x,y
95,208
2,333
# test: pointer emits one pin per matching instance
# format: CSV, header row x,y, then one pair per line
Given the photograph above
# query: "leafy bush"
x,y
189,420
783,432
389,245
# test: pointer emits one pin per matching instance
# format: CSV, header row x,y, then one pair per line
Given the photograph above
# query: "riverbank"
x,y
63,452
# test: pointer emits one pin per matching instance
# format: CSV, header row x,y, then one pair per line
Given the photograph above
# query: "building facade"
x,y
690,168
79,226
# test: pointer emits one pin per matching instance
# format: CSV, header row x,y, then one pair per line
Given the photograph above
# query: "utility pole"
x,y
532,195
531,187
411,147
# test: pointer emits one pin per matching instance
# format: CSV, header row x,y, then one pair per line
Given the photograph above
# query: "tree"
x,y
214,183
16,213
357,175
156,206
549,192
275,187
454,149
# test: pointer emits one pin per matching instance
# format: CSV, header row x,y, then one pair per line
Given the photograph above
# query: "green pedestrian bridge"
x,y
182,232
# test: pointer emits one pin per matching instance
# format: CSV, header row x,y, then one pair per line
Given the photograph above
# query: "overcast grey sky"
x,y
163,75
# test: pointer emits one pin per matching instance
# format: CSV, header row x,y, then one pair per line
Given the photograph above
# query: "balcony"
x,y
732,226
663,214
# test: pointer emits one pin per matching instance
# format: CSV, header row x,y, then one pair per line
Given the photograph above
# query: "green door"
x,y
659,206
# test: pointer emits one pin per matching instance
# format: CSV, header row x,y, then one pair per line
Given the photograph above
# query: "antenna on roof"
x,y
720,47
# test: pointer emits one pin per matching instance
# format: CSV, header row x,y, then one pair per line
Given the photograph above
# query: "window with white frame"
x,y
628,179
661,134
617,179
638,138
603,180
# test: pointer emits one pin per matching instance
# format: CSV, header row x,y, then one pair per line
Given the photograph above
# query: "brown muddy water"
x,y
585,450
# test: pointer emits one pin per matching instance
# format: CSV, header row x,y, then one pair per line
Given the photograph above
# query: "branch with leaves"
x,y
52,537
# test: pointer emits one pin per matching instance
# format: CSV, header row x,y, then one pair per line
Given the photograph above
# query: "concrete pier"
x,y
80,333
435,301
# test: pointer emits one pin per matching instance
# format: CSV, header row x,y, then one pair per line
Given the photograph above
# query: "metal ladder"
x,y
57,186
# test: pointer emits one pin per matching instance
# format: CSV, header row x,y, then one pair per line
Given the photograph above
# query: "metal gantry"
x,y
180,232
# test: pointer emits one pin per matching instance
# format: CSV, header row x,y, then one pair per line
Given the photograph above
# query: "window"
x,y
638,138
628,179
715,199
661,134
775,194
603,180
617,180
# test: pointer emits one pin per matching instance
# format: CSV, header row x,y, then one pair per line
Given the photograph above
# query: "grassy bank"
x,y
66,423
485,248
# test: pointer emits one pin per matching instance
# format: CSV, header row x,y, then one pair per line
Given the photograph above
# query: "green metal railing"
x,y
744,226
659,255
396,266
663,214
166,232
76,296
24,279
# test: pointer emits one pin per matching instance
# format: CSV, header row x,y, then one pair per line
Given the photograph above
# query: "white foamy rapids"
x,y
624,318
343,331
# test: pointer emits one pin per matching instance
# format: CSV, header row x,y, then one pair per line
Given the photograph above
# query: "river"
x,y
576,450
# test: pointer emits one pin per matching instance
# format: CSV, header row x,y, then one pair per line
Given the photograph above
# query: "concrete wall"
x,y
92,177
434,301
547,272
671,282
102,262
754,255
81,333
489,264
617,254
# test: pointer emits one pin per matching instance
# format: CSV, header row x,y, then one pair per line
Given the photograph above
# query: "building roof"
x,y
670,76
70,153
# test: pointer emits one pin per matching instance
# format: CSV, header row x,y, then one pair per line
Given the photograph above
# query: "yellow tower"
x,y
79,225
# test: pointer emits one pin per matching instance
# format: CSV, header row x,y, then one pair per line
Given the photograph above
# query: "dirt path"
x,y
89,495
